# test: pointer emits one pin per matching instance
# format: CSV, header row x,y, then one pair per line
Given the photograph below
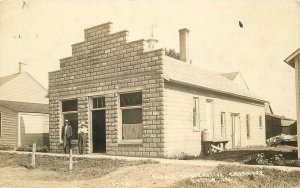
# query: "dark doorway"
x,y
99,131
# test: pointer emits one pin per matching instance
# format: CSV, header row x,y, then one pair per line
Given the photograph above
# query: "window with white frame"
x,y
260,122
223,124
248,125
99,103
132,115
196,115
69,112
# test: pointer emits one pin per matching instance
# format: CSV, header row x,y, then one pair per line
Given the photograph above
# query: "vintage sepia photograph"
x,y
149,93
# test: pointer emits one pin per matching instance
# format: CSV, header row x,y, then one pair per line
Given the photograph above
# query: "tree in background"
x,y
172,53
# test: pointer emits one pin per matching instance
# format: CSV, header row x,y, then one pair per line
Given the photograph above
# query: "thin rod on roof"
x,y
20,66
152,40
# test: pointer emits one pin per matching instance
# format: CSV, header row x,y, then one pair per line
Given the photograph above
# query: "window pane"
x,y
69,105
248,125
260,121
73,120
132,116
194,119
223,132
99,102
132,123
223,116
195,112
131,99
132,131
95,103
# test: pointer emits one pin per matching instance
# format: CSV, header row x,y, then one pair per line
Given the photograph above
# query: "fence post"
x,y
33,154
70,161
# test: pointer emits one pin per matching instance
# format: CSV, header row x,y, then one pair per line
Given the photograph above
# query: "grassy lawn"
x,y
235,176
82,167
250,155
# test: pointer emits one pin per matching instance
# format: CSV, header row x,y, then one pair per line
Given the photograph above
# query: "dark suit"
x,y
66,136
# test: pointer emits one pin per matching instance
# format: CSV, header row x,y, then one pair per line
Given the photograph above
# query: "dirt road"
x,y
150,175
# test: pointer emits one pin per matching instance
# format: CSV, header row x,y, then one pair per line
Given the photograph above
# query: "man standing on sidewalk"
x,y
82,131
67,135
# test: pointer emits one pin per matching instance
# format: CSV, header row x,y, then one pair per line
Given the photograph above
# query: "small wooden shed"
x,y
23,123
276,125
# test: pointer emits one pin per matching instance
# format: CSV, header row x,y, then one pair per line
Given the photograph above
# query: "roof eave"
x,y
39,109
289,60
280,117
9,107
214,90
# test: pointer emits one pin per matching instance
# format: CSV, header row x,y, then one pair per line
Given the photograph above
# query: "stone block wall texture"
x,y
105,64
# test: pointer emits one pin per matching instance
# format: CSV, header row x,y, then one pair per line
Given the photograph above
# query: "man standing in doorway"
x,y
82,131
67,135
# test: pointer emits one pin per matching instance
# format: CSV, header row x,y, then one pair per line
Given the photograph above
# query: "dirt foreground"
x,y
150,175
105,171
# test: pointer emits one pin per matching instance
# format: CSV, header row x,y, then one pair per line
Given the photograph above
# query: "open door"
x,y
99,131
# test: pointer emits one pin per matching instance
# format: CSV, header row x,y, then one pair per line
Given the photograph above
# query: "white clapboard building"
x,y
24,111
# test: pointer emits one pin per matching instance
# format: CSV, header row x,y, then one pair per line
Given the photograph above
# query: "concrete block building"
x,y
136,101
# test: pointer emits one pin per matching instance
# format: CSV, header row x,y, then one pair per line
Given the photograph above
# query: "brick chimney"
x,y
184,44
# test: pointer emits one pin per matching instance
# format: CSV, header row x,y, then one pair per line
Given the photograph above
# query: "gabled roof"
x,y
289,60
231,76
35,92
268,108
187,74
234,76
8,78
26,107
5,79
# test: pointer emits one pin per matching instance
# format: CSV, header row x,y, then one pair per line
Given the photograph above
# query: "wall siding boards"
x,y
9,127
180,136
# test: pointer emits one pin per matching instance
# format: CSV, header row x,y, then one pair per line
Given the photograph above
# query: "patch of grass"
x,y
43,149
11,160
183,156
82,167
235,176
249,156
7,147
293,163
275,159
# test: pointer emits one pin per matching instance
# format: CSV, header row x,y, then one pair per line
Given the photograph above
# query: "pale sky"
x,y
271,33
